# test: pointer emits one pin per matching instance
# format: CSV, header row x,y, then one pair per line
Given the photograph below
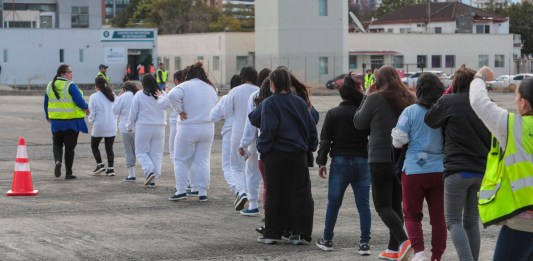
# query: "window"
x,y
242,61
199,58
390,30
80,17
397,61
483,60
5,55
450,61
438,30
323,65
483,29
436,61
352,64
177,63
216,63
405,30
322,7
376,61
499,60
421,61
81,55
61,55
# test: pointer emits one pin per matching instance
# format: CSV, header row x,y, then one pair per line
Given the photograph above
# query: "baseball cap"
x,y
102,66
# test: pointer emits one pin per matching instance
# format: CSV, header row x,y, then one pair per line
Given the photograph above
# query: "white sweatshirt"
x,y
236,106
144,112
250,132
194,97
102,117
121,108
217,114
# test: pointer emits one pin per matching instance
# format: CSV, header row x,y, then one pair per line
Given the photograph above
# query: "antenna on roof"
x,y
357,22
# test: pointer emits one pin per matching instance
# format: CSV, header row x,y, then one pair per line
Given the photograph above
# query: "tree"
x,y
520,22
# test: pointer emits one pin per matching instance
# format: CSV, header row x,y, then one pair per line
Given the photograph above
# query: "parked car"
x,y
413,79
516,80
338,81
502,81
406,75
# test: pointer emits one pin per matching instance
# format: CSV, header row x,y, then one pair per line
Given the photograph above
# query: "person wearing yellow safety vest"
x,y
65,109
506,193
102,69
369,79
162,76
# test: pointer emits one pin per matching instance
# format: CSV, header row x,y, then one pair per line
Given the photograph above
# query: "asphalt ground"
x,y
103,218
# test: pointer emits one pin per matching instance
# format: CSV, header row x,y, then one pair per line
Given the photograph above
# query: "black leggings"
x,y
108,141
69,139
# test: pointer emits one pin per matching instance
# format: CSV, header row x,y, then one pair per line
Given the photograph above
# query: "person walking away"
x,y
162,76
379,113
193,101
149,122
121,108
505,195
65,109
140,71
347,148
422,169
466,145
102,69
104,125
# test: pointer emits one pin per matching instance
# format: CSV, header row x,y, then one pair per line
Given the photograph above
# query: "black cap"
x,y
102,66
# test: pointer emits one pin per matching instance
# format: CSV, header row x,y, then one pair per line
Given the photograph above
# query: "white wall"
x,y
64,9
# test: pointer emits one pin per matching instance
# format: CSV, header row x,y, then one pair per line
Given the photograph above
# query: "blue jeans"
x,y
344,171
514,245
162,86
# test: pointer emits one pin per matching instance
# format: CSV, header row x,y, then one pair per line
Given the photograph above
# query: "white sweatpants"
x,y
149,145
193,148
171,138
226,143
253,177
237,165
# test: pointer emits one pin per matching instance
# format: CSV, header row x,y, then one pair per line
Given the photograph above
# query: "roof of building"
x,y
440,12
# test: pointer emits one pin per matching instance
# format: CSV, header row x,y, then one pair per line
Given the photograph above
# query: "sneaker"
x,y
241,201
152,185
70,176
149,179
57,169
100,167
188,190
364,249
298,240
129,179
268,241
405,250
110,172
250,212
260,229
388,256
326,245
421,256
191,193
175,197
202,198
286,235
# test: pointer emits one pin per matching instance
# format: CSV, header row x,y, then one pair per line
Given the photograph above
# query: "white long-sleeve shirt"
x,y
250,132
121,108
194,97
217,114
102,117
145,112
236,106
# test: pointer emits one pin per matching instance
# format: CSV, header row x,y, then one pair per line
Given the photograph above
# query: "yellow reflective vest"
x,y
164,76
369,80
63,108
507,186
100,74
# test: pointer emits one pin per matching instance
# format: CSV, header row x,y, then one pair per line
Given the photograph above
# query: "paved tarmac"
x,y
103,218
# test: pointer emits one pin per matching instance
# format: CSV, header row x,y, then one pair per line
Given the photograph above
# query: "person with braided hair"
x,y
65,109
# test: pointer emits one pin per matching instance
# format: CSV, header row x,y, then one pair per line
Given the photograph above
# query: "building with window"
x,y
39,35
113,7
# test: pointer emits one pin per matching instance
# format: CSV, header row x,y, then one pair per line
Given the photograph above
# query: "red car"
x,y
338,81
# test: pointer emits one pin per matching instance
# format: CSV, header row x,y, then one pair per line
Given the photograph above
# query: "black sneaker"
x,y
110,172
364,249
100,167
152,185
299,240
70,176
326,245
260,229
57,169
149,179
268,241
241,201
202,198
129,179
175,197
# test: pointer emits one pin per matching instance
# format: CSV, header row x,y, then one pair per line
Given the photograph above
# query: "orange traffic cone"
x,y
22,183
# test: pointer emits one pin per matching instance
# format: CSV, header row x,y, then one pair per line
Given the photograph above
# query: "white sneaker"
x,y
420,256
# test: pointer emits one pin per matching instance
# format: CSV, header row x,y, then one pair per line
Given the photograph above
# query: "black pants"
x,y
289,201
69,139
108,142
387,197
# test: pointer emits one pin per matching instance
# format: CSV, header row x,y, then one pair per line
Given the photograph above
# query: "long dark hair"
x,y
62,69
390,86
429,88
281,79
264,92
197,71
150,86
235,81
300,89
102,84
351,89
248,74
461,80
178,76
263,74
130,86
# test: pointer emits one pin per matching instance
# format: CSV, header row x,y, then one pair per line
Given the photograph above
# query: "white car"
x,y
502,81
516,80
413,79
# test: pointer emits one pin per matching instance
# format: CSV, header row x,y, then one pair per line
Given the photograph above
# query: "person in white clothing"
x,y
235,106
193,101
149,123
217,114
121,108
104,124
